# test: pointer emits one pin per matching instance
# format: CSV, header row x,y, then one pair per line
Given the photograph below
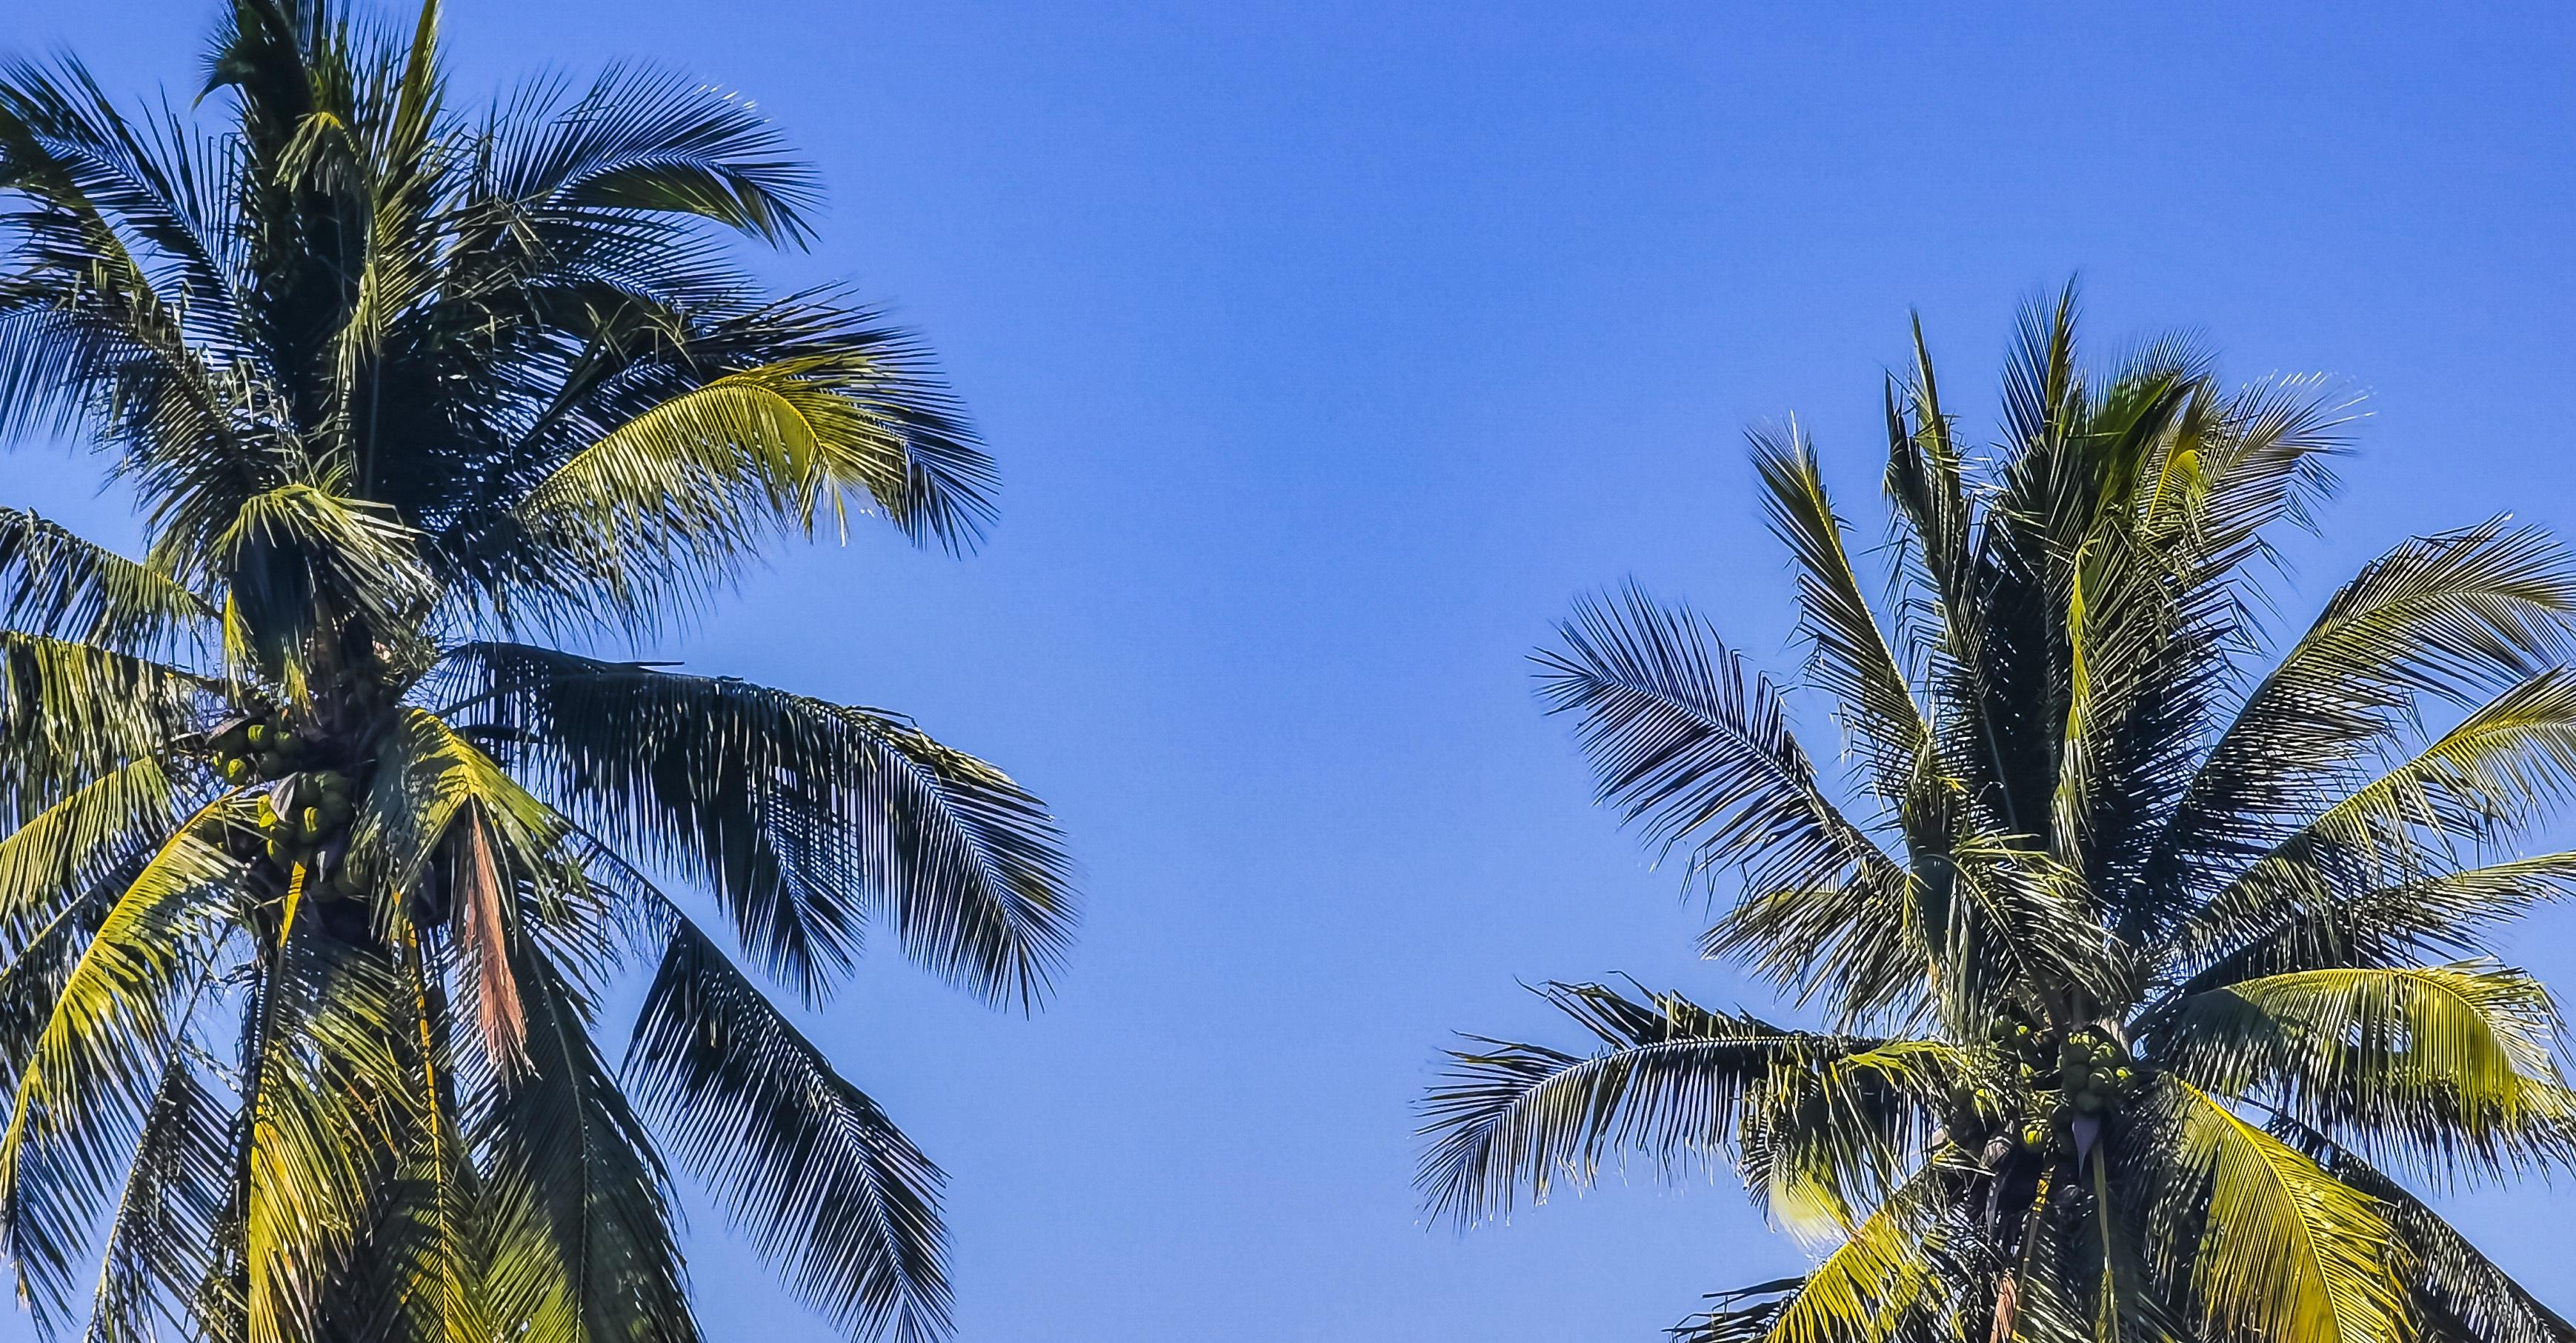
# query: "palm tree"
x,y
325,852
2152,975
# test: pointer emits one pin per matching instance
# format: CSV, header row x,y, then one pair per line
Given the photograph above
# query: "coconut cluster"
x,y
255,750
2077,1075
304,808
304,822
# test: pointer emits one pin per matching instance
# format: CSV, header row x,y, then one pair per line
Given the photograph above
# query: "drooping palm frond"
x,y
2277,1247
2452,1069
1888,1281
802,815
828,1186
88,1079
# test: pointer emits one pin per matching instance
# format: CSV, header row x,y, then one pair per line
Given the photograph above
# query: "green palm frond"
x,y
297,554
1696,749
1683,1086
54,583
2451,1068
72,712
689,487
1888,1279
92,1071
160,1242
2479,783
2278,1248
802,815
2314,926
2460,1294
2460,616
829,1188
647,140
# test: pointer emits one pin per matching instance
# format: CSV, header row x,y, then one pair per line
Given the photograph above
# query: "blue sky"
x,y
1329,351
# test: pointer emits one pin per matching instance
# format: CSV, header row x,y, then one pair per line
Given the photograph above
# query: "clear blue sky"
x,y
1329,351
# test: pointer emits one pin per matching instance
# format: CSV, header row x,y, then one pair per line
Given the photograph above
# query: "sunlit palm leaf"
x,y
2280,1248
2451,1068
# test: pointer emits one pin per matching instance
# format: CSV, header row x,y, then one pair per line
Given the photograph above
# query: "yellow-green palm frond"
x,y
687,489
442,815
2459,1293
2450,1068
54,583
327,1107
71,712
62,851
1889,1278
92,1070
2272,1245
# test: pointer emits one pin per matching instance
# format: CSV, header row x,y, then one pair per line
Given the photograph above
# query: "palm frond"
x,y
1891,1278
1688,742
829,1188
648,140
2479,783
160,1241
2460,616
54,583
576,1185
2460,1294
71,713
1678,1084
802,815
686,489
79,1100
63,851
2312,925
1848,654
2451,1069
2271,1244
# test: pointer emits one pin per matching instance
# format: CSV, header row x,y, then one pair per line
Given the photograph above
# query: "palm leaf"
x,y
2452,1068
1679,1084
2281,1248
829,1188
87,1083
799,813
53,583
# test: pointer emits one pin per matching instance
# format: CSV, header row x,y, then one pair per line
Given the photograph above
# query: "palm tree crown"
x,y
316,868
2156,972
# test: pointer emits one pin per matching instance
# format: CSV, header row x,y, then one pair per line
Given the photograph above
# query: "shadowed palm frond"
x,y
828,1186
802,815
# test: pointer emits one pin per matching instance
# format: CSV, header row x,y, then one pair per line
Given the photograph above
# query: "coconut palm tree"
x,y
2152,975
329,839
